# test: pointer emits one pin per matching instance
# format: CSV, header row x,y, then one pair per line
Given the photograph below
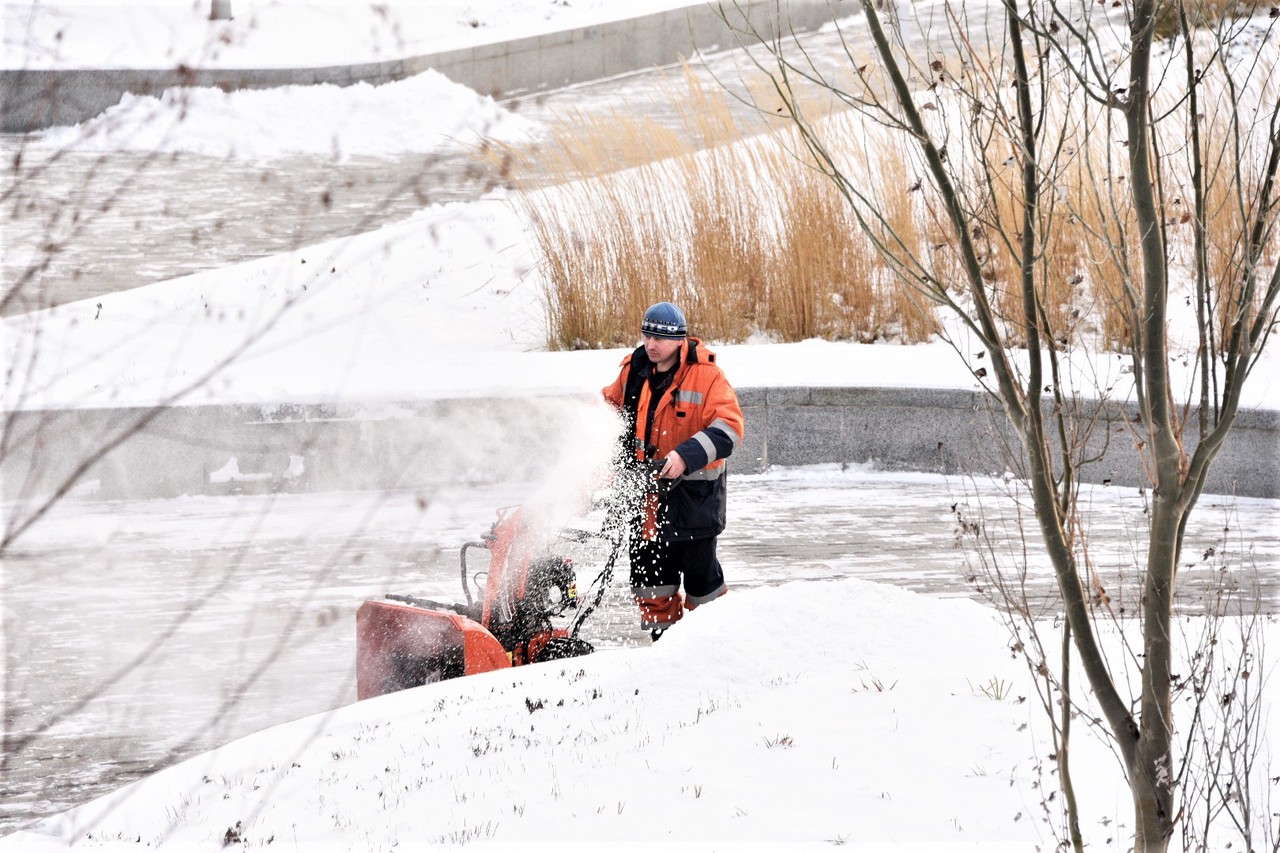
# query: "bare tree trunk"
x,y
1151,776
1152,773
1064,751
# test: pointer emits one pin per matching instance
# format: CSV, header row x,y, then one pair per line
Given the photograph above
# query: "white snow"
x,y
848,721
807,714
418,114
371,317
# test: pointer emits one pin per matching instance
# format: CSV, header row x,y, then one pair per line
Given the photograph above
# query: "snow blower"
x,y
403,641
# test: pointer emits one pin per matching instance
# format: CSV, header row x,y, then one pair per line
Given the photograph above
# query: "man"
x,y
681,414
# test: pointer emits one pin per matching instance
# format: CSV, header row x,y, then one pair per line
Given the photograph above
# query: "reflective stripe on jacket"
x,y
699,418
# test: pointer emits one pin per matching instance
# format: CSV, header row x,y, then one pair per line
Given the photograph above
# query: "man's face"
x,y
661,350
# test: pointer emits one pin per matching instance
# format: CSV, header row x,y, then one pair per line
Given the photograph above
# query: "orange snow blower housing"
x,y
403,641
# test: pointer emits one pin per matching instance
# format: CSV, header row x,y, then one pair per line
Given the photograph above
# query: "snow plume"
x,y
558,445
568,447
553,451
551,455
420,114
576,462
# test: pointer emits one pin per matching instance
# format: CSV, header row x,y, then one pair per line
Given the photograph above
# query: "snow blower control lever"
x,y
654,481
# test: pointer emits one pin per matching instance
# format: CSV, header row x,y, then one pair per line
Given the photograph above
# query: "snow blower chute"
x,y
404,641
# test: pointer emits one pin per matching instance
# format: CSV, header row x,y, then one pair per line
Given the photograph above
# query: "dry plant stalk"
x,y
741,228
749,237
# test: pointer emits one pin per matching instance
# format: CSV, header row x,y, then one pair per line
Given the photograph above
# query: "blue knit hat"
x,y
664,320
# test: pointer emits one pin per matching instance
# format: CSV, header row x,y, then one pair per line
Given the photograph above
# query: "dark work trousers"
x,y
657,568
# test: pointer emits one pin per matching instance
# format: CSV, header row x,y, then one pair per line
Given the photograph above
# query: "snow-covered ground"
x,y
759,724
418,114
815,713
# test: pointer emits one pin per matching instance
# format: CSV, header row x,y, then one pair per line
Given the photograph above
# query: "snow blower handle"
x,y
466,587
654,481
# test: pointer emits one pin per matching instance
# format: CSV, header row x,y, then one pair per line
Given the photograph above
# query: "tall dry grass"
x,y
595,252
744,231
731,224
1233,216
1111,257
1200,13
1062,246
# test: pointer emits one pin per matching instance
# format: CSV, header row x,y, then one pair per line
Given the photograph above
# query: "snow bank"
x,y
760,719
419,114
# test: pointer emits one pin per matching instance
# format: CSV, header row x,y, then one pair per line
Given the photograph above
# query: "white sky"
x,y
766,721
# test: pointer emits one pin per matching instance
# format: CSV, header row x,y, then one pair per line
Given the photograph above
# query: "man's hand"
x,y
673,467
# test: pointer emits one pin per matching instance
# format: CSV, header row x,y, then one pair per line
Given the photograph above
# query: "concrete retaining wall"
x,y
963,432
304,448
35,99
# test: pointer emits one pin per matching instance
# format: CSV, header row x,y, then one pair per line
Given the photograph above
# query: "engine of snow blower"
x,y
403,641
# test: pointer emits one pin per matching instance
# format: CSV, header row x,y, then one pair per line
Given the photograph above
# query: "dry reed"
x,y
744,231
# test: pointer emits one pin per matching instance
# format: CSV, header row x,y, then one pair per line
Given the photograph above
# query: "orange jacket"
x,y
698,417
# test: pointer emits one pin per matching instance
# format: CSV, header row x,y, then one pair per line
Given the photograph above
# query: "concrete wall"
x,y
34,99
422,445
962,432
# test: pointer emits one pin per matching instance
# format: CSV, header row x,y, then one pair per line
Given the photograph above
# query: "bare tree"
x,y
1079,178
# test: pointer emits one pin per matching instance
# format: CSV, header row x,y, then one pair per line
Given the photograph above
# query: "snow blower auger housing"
x,y
403,641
